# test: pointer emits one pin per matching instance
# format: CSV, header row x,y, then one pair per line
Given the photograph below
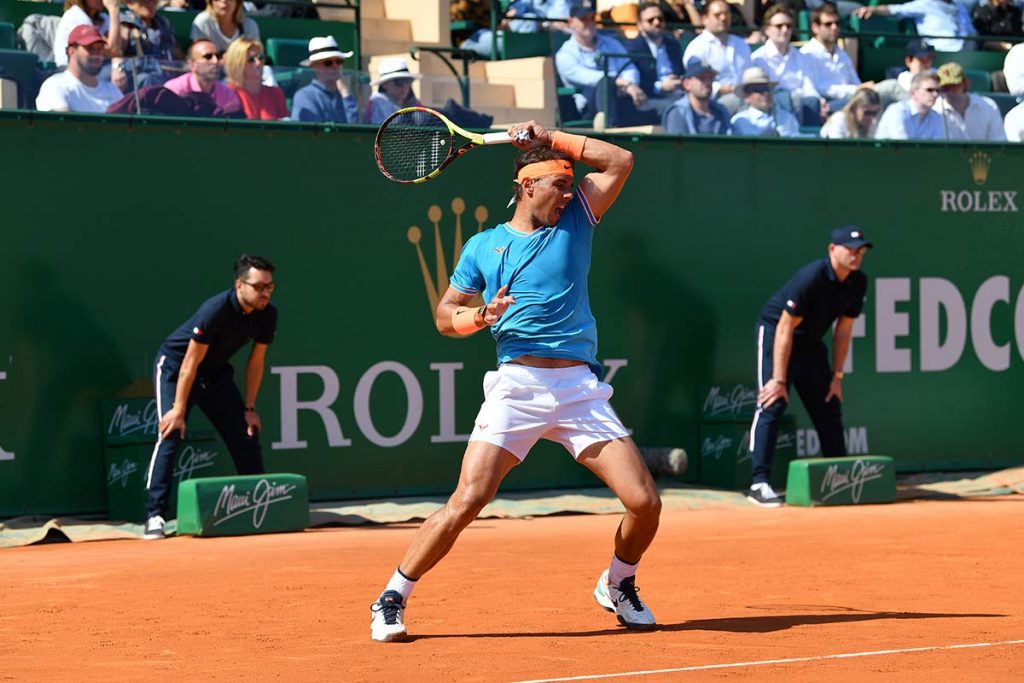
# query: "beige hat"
x,y
754,75
392,68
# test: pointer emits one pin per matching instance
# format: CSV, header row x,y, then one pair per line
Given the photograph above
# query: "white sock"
x,y
620,570
402,584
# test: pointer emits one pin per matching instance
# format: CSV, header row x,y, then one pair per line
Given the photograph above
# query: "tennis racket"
x,y
415,144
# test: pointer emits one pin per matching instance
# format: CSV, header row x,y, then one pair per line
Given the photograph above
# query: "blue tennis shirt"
x,y
547,270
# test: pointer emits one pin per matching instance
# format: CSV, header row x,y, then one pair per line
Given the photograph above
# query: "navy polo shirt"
x,y
220,324
816,295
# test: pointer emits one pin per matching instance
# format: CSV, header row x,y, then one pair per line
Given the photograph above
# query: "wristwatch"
x,y
839,374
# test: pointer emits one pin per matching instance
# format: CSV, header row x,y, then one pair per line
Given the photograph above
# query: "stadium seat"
x,y
981,81
898,31
21,66
1005,101
7,35
985,60
286,51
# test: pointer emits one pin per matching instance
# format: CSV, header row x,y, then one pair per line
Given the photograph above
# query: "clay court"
x,y
920,590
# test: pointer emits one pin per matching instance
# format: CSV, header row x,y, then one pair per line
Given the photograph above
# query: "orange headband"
x,y
543,168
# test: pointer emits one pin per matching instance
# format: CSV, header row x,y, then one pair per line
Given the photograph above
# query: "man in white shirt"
x,y
967,117
727,54
914,118
1013,124
1013,69
792,70
762,117
835,77
939,20
78,88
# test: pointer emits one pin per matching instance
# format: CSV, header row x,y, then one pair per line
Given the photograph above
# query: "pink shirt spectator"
x,y
225,97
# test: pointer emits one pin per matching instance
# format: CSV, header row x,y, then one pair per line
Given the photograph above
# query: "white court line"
x,y
766,662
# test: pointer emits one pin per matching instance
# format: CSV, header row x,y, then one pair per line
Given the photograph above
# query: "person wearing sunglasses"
x,y
794,71
914,118
192,369
835,76
967,116
243,64
205,64
762,118
328,98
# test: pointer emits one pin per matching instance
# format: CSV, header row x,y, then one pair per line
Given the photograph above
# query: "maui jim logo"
x,y
192,460
979,201
441,278
120,472
255,502
714,447
852,480
722,401
126,421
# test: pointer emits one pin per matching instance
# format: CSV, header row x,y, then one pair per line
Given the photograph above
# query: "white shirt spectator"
x,y
934,18
835,128
728,60
62,91
1013,124
75,16
792,71
981,119
753,121
1013,69
835,76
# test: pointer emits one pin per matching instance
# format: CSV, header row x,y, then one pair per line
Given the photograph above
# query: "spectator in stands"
x,y
205,71
394,90
328,98
933,18
998,18
683,11
727,54
1013,124
857,119
243,64
660,76
1013,70
580,66
222,22
148,41
762,117
914,118
103,14
697,113
917,57
967,117
844,7
793,71
836,78
77,88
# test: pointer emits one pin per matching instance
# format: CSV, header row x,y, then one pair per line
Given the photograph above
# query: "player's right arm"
x,y
174,419
456,318
775,388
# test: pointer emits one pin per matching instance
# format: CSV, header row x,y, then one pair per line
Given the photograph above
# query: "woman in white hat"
x,y
394,90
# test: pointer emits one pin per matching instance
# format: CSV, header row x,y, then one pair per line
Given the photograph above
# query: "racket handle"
x,y
496,138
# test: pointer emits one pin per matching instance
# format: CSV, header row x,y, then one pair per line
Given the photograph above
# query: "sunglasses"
x,y
781,25
828,24
759,89
253,59
210,56
261,287
329,62
932,90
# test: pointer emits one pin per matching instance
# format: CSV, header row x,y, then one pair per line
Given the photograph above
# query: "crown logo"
x,y
979,167
436,286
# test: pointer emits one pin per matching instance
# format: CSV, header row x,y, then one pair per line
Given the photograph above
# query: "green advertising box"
x,y
852,480
243,505
725,454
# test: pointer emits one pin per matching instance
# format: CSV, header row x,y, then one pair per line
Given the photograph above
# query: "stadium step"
x,y
243,505
852,480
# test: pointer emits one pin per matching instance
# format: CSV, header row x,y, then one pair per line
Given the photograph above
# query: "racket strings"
x,y
413,145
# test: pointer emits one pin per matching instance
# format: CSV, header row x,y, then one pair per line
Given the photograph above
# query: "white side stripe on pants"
x,y
760,382
159,414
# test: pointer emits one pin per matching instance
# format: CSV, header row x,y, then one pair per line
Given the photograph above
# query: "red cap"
x,y
85,34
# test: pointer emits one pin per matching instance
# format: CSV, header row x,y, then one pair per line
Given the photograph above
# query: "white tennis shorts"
x,y
565,405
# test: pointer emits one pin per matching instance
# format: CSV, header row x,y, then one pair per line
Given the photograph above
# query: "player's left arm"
x,y
840,347
253,379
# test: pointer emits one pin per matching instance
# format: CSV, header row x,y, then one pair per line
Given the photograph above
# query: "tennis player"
x,y
533,271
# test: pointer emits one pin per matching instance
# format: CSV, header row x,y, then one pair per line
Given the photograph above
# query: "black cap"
x,y
695,66
918,48
581,11
849,236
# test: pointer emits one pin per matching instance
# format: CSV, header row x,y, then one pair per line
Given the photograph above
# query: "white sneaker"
x,y
624,602
763,495
154,528
386,618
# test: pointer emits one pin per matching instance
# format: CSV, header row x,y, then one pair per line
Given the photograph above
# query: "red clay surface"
x,y
513,601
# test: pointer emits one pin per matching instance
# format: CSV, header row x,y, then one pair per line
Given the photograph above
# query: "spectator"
x,y
933,18
914,118
580,66
727,54
1013,70
917,57
222,22
697,113
844,7
78,88
328,98
967,117
1013,124
998,18
394,90
205,71
660,76
148,40
793,70
762,117
835,76
243,64
857,119
87,13
521,16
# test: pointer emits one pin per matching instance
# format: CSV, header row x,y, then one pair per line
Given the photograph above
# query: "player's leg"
x,y
764,430
222,402
812,376
484,466
159,474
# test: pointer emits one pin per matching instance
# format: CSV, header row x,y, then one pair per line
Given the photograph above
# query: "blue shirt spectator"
x,y
323,103
914,118
762,117
697,113
933,18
